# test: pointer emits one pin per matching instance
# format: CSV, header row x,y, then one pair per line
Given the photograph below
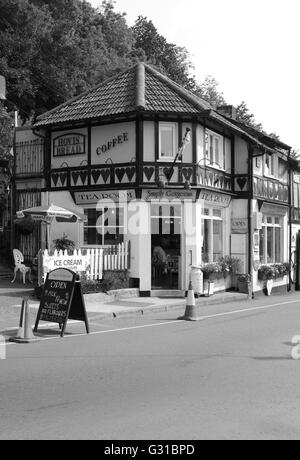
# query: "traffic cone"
x,y
25,334
192,311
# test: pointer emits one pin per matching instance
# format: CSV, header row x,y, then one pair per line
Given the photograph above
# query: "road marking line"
x,y
245,310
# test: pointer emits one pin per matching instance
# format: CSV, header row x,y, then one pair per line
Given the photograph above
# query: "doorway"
x,y
166,227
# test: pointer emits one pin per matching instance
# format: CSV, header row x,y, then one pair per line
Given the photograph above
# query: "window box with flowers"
x,y
220,271
269,273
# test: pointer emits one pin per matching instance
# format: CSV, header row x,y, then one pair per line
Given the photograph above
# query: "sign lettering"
x,y
69,144
112,143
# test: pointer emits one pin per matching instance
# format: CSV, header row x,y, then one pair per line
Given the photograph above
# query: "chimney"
x,y
2,88
228,111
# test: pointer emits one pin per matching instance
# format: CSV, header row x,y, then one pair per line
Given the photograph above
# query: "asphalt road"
x,y
230,376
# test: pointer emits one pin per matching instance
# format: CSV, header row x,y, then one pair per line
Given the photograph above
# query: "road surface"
x,y
229,376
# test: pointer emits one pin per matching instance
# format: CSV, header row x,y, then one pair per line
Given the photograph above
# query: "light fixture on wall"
x,y
162,183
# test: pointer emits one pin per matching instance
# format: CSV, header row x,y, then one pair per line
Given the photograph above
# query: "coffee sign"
x,y
69,144
112,143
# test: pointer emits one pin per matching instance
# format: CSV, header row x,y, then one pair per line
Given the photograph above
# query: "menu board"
x,y
62,299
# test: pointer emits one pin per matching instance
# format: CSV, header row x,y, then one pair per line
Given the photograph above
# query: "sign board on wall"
x,y
93,197
169,195
239,226
69,145
217,199
116,142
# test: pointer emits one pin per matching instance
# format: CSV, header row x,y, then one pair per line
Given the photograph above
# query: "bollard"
x,y
192,311
25,334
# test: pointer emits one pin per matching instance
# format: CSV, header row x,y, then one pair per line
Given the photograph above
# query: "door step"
x,y
168,294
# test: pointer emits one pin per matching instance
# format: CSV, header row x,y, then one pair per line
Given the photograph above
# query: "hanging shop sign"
x,y
239,226
169,195
69,144
112,143
93,197
217,199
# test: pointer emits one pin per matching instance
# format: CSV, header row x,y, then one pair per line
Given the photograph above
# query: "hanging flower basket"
x,y
24,226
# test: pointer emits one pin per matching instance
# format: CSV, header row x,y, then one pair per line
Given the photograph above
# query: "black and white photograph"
x,y
149,223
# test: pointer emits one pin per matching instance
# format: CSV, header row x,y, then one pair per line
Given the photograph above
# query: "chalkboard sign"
x,y
62,299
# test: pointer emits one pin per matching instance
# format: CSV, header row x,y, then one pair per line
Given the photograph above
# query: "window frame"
x,y
120,228
273,226
162,126
212,218
222,151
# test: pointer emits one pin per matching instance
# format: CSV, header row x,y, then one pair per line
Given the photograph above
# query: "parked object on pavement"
x,y
20,266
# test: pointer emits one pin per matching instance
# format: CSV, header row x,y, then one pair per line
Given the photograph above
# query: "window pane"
x,y
217,151
217,213
269,245
211,148
205,247
167,141
277,245
262,246
217,240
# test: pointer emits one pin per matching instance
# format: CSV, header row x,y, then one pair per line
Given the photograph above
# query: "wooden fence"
x,y
93,262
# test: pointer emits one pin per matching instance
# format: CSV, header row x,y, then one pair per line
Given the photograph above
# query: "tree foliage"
x,y
52,50
171,59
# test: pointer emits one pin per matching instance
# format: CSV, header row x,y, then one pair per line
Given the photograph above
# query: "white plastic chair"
x,y
19,266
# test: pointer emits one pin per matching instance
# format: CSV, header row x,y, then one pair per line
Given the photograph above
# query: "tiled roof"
x,y
161,98
114,96
119,96
140,88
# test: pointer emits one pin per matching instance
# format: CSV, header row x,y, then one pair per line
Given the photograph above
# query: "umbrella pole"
x,y
48,237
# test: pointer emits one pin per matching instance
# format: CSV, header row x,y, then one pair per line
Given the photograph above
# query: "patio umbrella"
x,y
48,213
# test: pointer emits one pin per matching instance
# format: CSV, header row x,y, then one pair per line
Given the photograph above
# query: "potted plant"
x,y
244,284
211,272
267,273
63,244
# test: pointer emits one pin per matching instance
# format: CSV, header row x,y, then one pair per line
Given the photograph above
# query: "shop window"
x,y
212,235
167,141
215,151
270,237
104,227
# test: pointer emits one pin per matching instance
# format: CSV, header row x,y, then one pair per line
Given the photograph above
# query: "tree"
x,y
168,58
245,116
53,50
6,142
208,90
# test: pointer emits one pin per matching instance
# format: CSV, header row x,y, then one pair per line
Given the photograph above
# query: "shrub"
x,y
114,280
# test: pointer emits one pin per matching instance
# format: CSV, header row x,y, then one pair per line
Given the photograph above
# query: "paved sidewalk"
x,y
100,306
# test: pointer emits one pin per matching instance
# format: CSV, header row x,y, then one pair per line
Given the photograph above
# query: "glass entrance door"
x,y
166,246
